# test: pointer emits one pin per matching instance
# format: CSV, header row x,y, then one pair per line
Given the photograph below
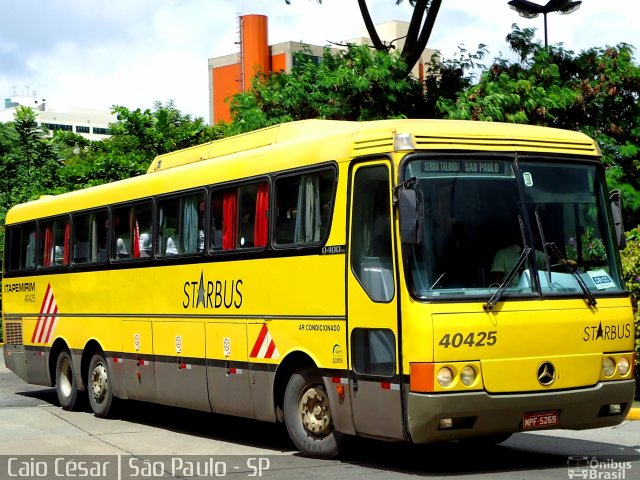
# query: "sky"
x,y
95,54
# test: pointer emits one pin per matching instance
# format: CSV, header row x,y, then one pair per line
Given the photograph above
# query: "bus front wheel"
x,y
99,386
307,415
66,385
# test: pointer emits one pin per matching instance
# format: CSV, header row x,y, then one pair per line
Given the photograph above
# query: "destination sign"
x,y
464,167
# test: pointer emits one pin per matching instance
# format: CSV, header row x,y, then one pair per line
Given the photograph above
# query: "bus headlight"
x,y
608,366
445,376
623,366
468,375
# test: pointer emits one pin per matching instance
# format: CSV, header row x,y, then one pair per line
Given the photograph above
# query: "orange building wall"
x,y
279,63
255,47
226,82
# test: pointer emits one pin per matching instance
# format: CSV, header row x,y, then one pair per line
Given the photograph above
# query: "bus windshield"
x,y
480,213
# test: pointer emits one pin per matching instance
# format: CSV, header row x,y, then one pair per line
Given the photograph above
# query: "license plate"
x,y
540,419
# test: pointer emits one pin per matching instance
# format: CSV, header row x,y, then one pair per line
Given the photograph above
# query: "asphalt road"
x,y
34,431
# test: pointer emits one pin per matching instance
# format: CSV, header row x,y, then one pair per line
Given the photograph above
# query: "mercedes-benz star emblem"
x,y
546,374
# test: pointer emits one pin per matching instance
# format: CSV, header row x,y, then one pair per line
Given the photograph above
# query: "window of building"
x,y
82,129
100,131
90,233
181,224
303,207
239,217
54,242
133,231
58,126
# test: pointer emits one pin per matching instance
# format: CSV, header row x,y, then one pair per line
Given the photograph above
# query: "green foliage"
x,y
161,130
357,83
631,271
34,164
595,92
29,162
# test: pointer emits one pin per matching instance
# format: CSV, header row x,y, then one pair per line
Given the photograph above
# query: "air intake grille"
x,y
13,332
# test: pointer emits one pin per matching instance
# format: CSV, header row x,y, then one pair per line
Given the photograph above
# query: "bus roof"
x,y
305,143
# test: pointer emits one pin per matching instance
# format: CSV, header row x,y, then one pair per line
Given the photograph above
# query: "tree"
x,y
595,92
352,84
29,162
421,25
136,139
158,131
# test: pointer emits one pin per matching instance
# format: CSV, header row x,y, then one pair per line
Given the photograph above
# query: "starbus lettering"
x,y
212,294
607,332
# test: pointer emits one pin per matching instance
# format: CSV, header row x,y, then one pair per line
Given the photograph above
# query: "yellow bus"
x,y
415,280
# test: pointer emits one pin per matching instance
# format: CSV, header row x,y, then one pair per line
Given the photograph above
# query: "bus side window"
x,y
89,240
21,247
373,351
54,243
303,207
239,217
181,225
132,231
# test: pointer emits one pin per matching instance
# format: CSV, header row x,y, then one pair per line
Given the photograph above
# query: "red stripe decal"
x,y
270,349
52,320
258,344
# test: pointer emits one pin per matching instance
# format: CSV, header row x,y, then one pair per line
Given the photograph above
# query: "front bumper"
x,y
479,413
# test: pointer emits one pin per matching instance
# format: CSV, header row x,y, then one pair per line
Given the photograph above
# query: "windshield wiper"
x,y
572,268
495,298
544,242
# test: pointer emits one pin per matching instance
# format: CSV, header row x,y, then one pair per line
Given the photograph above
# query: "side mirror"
x,y
616,211
410,206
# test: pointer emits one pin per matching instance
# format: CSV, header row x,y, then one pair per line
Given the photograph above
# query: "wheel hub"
x,y
315,412
99,382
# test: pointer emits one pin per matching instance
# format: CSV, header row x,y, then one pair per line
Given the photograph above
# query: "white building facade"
x,y
90,123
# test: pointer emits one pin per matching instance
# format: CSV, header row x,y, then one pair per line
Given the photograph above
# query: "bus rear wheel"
x,y
66,385
307,415
99,386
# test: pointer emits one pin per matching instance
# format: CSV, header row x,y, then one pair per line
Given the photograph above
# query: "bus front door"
x,y
372,314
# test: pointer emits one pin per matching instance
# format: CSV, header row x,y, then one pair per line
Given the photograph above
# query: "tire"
x,y
66,384
307,416
99,388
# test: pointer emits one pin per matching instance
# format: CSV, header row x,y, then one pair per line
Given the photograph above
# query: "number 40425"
x,y
477,339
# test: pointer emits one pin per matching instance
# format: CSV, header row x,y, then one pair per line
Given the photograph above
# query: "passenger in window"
x,y
145,245
506,258
121,249
58,256
171,246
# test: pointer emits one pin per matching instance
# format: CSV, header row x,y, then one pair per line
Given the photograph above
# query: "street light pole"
x,y
528,9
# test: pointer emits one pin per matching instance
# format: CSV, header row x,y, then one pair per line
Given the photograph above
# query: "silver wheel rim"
x,y
65,382
99,382
315,412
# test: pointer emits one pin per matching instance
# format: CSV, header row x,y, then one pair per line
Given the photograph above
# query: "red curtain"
x,y
136,240
229,220
48,246
65,249
261,227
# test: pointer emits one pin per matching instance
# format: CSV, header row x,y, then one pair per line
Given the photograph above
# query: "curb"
x,y
634,414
